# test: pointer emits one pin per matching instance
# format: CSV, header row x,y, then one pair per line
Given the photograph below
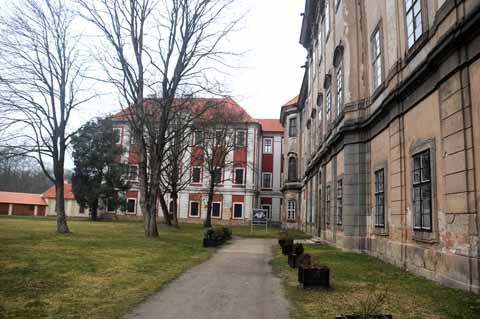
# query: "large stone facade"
x,y
388,135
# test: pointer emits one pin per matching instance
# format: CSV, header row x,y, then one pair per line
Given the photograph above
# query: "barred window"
x,y
376,59
291,210
413,10
327,205
339,202
380,198
422,191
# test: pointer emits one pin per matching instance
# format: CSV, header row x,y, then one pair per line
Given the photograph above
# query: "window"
x,y
327,205
337,5
268,209
217,176
131,206
327,18
197,137
110,205
320,46
194,209
267,146
133,139
237,210
241,138
291,210
413,9
216,210
422,191
339,78
339,202
380,198
196,175
292,169
118,135
133,172
267,180
376,58
239,176
328,99
219,137
292,127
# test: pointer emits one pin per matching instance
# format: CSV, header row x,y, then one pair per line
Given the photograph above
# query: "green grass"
x,y
101,270
259,232
353,278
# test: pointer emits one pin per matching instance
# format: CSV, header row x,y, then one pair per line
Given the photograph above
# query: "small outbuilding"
x,y
72,208
22,204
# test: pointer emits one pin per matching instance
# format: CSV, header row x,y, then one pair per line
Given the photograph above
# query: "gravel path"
x,y
235,283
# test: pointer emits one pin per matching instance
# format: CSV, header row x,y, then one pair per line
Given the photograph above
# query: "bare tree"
x,y
169,47
215,147
40,86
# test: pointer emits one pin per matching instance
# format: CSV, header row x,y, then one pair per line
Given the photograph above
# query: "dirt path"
x,y
235,283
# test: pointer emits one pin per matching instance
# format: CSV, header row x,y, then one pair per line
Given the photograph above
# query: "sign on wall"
x,y
259,217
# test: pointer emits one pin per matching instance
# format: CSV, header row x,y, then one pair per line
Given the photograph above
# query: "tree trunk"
x,y
208,220
174,209
62,226
94,211
150,217
165,210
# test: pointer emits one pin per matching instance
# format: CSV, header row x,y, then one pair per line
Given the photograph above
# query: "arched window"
x,y
292,169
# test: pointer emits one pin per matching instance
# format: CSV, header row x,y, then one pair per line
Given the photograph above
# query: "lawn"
x,y
101,270
357,278
259,232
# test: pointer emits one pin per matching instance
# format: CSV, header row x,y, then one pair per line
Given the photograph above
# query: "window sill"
x,y
380,231
424,236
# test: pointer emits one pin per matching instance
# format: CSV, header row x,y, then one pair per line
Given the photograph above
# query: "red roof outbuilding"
x,y
22,199
271,125
67,189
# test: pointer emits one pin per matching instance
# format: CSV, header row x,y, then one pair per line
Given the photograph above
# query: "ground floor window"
x,y
339,202
131,206
291,210
380,198
422,191
268,209
216,210
237,210
194,209
327,205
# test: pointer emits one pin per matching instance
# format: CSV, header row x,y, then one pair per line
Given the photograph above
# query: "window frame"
x,y
190,209
420,185
200,181
269,210
137,172
377,58
339,88
220,182
290,170
233,210
220,210
237,134
197,137
327,205
235,175
120,135
134,206
271,145
292,130
328,106
291,210
219,142
379,195
263,180
415,14
339,209
326,19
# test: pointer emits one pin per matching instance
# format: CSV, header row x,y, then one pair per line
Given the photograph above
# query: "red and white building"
x,y
253,182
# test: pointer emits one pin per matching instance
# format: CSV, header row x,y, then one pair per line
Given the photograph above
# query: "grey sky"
x,y
270,71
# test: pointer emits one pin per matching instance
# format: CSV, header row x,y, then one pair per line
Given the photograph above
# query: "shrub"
x,y
298,249
209,233
227,233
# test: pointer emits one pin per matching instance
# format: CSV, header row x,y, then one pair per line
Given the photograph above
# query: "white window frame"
x,y
217,217
339,88
376,42
271,180
120,135
235,175
201,175
135,207
327,19
199,209
269,210
233,210
271,145
133,165
413,14
244,132
291,210
195,133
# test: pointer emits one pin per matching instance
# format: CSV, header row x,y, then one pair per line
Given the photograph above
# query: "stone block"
x,y
456,183
451,105
453,123
456,203
455,163
454,143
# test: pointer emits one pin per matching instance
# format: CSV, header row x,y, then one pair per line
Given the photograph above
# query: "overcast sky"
x,y
270,72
